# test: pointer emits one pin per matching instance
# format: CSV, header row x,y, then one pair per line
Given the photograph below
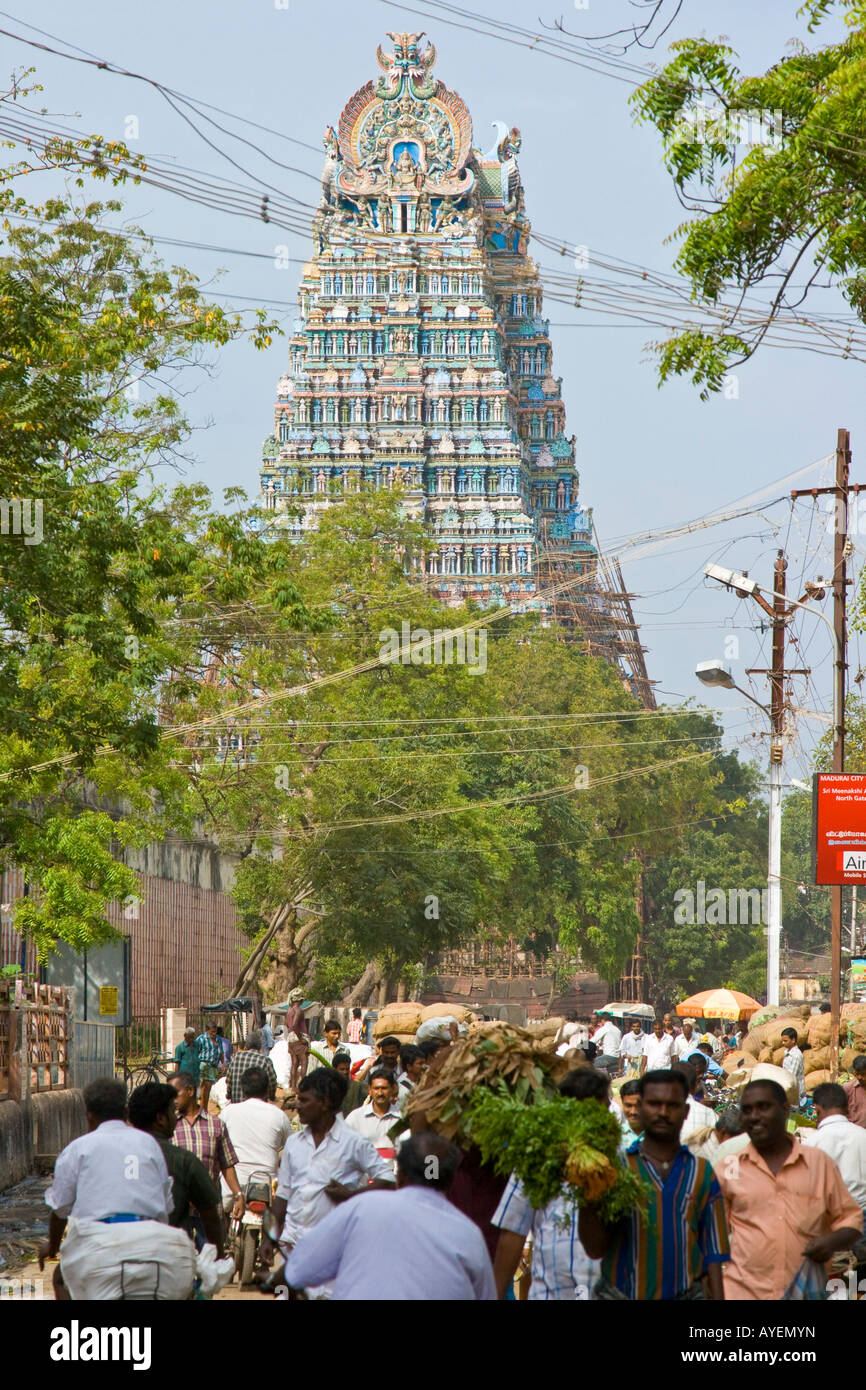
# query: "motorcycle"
x,y
246,1231
274,1282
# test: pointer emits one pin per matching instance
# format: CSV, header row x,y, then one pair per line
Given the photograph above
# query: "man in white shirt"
x,y
837,1136
323,1165
697,1116
326,1047
658,1048
410,1245
257,1129
631,1050
607,1038
218,1097
111,1174
381,1112
561,1269
686,1041
281,1060
793,1060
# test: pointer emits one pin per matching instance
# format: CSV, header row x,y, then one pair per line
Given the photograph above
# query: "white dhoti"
x,y
127,1260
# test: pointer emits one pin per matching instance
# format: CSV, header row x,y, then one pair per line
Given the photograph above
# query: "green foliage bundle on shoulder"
x,y
556,1147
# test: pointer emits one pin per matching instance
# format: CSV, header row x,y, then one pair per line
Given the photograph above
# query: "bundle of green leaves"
x,y
557,1147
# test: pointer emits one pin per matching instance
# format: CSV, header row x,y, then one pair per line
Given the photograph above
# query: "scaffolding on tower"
x,y
595,611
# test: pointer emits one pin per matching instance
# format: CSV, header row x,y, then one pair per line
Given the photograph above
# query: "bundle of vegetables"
x,y
489,1054
558,1146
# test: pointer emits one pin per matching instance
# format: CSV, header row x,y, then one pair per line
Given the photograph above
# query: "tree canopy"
x,y
778,223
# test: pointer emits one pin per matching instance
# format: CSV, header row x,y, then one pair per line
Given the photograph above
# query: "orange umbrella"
x,y
718,1003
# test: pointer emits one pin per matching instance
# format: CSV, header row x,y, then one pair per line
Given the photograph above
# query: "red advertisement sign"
x,y
839,827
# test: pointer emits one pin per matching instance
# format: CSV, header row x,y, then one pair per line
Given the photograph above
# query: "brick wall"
x,y
185,941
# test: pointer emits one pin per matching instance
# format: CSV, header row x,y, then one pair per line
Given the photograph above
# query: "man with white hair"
x,y
686,1041
187,1057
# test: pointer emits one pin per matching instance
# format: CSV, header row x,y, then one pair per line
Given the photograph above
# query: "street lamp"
x,y
718,673
749,588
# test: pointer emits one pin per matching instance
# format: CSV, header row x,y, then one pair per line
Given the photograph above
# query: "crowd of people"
x,y
737,1205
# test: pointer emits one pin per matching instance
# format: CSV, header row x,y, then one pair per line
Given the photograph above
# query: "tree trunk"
x,y
359,994
279,960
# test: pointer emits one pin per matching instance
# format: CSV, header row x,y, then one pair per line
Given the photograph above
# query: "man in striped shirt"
x,y
677,1253
211,1064
206,1137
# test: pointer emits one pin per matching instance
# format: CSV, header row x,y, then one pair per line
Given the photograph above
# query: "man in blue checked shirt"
x,y
561,1268
211,1064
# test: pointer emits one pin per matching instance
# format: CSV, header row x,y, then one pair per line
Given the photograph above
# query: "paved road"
x,y
36,1284
24,1224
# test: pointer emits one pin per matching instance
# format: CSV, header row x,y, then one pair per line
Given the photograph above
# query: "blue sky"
x,y
648,458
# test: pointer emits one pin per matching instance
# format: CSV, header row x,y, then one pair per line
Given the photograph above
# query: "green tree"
x,y
385,811
727,851
92,559
785,218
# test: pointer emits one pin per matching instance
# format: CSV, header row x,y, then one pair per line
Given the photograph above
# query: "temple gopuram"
x,y
421,360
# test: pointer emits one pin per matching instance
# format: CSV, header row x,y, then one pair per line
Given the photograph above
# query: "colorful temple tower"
x,y
421,357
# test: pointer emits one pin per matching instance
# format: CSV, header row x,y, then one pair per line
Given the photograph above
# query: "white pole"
x,y
774,883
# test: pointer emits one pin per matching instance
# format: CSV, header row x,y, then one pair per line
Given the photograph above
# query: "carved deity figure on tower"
x,y
405,173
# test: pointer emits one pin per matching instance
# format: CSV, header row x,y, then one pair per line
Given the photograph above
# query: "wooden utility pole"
x,y
840,624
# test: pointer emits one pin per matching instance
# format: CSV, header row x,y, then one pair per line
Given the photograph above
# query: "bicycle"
x,y
151,1071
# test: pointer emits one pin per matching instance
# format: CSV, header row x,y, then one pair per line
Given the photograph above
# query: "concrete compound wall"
x,y
16,1142
43,1124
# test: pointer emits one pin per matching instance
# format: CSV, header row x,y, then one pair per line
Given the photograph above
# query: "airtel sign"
x,y
839,827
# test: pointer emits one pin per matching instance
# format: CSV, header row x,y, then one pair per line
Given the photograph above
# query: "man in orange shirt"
x,y
784,1202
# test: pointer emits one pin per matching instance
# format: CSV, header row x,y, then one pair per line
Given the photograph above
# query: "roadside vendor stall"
x,y
727,1004
623,1014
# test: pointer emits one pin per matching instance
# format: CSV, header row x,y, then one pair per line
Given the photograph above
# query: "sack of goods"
x,y
816,1059
552,1027
397,1018
127,1260
817,1078
458,1011
738,1061
765,1071
436,1028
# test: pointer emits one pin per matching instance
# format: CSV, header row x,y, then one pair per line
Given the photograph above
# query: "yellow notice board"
x,y
108,999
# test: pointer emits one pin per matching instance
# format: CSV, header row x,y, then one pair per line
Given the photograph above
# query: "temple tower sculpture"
x,y
421,357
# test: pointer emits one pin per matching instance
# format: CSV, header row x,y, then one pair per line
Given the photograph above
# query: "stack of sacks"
x,y
764,1043
852,1042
